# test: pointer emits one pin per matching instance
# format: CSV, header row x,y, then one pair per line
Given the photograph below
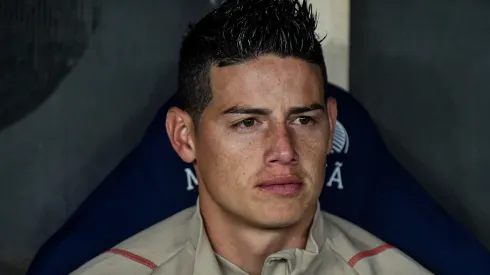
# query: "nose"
x,y
281,147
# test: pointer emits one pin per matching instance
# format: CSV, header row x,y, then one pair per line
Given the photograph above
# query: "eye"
x,y
304,120
246,123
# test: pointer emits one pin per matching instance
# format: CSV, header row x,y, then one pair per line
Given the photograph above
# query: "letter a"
x,y
336,177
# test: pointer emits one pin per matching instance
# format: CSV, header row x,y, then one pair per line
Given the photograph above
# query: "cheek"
x,y
243,146
227,159
312,144
313,156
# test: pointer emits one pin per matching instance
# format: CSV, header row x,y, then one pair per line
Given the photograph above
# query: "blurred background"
x,y
81,79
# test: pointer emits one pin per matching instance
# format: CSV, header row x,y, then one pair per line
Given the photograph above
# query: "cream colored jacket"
x,y
179,246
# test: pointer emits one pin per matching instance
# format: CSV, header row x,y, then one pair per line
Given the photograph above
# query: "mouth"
x,y
282,186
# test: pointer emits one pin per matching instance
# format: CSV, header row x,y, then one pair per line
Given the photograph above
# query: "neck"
x,y
245,246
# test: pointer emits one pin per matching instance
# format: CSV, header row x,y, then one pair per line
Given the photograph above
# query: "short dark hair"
x,y
240,30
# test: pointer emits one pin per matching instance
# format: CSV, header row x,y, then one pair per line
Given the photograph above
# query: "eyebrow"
x,y
262,111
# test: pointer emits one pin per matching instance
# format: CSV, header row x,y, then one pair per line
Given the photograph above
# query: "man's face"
x,y
261,143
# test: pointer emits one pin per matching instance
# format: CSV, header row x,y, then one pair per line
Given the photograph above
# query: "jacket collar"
x,y
207,262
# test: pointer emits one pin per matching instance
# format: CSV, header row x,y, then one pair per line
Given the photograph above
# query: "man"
x,y
254,123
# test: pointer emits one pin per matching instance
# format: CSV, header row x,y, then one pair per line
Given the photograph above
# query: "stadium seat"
x,y
364,185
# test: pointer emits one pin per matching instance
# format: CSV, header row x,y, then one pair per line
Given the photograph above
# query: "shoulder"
x,y
364,252
146,251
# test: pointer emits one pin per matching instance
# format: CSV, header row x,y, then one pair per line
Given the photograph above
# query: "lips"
x,y
284,186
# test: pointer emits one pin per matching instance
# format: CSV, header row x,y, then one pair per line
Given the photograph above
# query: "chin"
x,y
279,218
277,223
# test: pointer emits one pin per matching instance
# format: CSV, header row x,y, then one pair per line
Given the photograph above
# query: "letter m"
x,y
191,179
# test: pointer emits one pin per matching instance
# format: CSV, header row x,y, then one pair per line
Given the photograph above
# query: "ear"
x,y
332,119
180,130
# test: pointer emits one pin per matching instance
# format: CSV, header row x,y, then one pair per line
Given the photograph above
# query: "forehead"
x,y
266,80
